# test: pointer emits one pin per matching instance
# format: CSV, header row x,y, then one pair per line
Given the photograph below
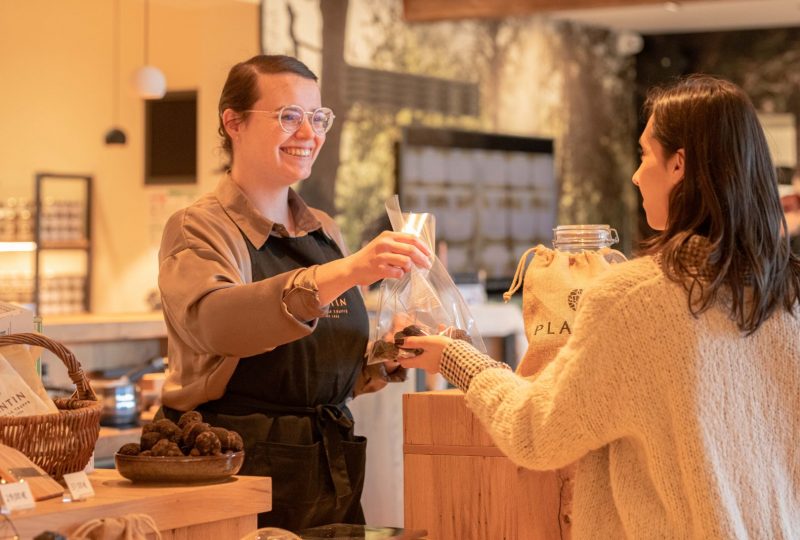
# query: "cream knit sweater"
x,y
682,428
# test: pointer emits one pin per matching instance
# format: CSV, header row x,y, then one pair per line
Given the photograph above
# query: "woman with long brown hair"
x,y
679,390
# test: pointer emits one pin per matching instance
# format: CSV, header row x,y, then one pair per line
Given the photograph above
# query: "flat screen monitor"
x,y
493,196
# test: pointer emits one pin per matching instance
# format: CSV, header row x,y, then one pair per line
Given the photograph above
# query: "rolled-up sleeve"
x,y
213,309
301,298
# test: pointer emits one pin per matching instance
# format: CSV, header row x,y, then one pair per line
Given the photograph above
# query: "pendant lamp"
x,y
148,80
115,135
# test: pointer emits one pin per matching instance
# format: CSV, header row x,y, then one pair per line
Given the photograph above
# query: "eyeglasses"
x,y
290,118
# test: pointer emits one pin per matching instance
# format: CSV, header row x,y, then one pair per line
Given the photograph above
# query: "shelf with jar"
x,y
46,245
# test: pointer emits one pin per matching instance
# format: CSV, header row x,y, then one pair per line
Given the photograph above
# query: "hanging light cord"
x,y
146,29
115,66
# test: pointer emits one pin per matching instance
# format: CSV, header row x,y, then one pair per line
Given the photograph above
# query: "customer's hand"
x,y
389,255
431,347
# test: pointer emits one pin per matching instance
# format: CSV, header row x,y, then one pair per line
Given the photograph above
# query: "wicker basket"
x,y
62,442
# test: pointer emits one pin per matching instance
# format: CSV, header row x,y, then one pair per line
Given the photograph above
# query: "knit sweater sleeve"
x,y
577,404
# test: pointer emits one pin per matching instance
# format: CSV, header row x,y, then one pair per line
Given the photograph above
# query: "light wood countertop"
x,y
94,327
223,510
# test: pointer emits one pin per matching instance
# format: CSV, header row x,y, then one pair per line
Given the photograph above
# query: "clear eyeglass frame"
x,y
290,118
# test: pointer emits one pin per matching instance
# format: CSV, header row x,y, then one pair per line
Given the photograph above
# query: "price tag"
x,y
17,496
79,485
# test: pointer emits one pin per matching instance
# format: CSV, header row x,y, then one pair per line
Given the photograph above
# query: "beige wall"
x,y
56,105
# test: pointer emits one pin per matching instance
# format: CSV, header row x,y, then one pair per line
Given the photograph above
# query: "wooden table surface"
x,y
210,511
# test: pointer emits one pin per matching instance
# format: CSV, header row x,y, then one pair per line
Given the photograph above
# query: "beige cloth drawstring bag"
x,y
553,284
127,527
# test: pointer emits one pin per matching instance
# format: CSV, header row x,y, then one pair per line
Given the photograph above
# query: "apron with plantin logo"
x,y
289,404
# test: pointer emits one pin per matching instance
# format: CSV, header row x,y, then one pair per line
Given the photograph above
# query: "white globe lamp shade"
x,y
150,82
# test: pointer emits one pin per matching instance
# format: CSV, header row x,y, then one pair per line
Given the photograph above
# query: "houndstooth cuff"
x,y
461,362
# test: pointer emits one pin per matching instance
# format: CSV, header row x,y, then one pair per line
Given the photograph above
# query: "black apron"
x,y
289,404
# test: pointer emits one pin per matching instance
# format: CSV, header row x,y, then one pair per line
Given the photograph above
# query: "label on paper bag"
x,y
79,485
17,496
16,397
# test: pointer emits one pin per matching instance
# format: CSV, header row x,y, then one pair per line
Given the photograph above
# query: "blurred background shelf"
x,y
73,244
46,246
62,280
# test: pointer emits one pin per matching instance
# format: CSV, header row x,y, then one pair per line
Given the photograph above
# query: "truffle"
x,y
165,447
235,442
410,330
230,440
222,434
149,439
189,418
458,333
149,427
208,444
190,433
168,429
130,449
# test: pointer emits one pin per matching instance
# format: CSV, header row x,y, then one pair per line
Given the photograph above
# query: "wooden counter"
x,y
458,484
200,512
99,327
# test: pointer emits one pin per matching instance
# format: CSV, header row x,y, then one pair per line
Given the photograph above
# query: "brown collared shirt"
x,y
214,312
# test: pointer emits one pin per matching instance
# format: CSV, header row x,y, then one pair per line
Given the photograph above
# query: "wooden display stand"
x,y
458,484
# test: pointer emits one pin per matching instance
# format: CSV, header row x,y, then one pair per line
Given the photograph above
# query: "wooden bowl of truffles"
x,y
190,451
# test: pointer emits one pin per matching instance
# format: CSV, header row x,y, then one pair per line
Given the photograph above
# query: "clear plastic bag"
x,y
422,302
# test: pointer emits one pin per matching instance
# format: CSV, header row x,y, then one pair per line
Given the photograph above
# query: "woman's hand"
x,y
432,348
389,255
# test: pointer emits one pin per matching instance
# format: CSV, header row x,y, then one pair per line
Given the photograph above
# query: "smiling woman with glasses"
x,y
266,325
